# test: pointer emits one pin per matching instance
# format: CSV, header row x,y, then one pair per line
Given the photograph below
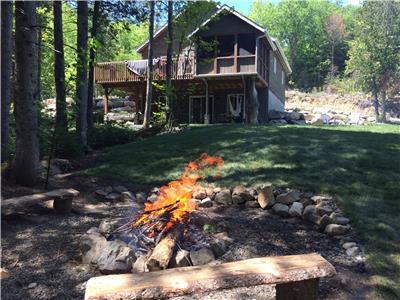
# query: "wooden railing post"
x,y
105,103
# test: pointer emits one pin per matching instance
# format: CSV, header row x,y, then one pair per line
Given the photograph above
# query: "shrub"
x,y
109,134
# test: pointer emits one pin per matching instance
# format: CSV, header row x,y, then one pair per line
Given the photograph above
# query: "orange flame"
x,y
174,198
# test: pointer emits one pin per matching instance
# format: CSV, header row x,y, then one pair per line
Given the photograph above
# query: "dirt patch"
x,y
40,248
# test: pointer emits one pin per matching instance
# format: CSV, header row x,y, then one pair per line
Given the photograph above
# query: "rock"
x,y
297,122
276,115
348,245
220,242
181,259
4,274
139,266
278,122
342,220
238,189
200,194
32,285
294,115
210,192
324,221
324,209
281,209
317,121
202,256
115,258
288,198
335,229
152,198
266,197
252,204
195,202
308,194
224,197
217,190
93,230
113,196
63,165
101,193
306,201
241,191
206,202
128,197
353,251
236,199
253,192
310,214
155,190
120,189
296,209
91,246
108,225
108,189
321,198
141,197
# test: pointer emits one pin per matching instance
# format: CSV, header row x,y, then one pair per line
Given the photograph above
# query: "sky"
x,y
243,6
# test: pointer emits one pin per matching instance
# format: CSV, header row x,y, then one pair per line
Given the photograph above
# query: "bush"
x,y
108,134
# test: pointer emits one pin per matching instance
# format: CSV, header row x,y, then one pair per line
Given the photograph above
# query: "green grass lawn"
x,y
360,165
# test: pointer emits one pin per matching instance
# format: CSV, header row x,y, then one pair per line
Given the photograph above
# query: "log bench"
x,y
62,200
295,277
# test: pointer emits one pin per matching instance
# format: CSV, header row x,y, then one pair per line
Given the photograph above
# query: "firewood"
x,y
162,253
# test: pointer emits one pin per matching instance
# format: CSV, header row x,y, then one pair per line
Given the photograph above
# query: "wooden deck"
x,y
184,68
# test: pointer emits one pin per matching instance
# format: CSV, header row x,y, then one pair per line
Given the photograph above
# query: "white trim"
x,y
282,57
274,64
191,98
283,78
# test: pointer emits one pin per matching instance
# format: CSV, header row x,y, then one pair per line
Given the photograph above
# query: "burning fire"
x,y
173,203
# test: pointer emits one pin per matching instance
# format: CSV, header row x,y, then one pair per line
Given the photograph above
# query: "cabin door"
x,y
197,108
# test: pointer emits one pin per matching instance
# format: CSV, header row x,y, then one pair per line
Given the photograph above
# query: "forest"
x,y
328,44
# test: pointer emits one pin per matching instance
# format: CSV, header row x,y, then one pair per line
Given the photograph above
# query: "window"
x,y
274,64
247,44
226,45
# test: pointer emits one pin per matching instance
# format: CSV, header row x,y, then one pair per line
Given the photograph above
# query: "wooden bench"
x,y
295,276
62,200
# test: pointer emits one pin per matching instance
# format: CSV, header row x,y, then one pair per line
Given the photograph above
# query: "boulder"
x,y
91,247
200,194
252,204
141,197
115,258
278,122
128,197
219,243
210,192
108,225
217,190
120,189
202,256
266,197
353,251
324,209
310,214
139,266
321,198
281,209
296,209
108,189
101,193
152,198
206,202
113,196
324,221
335,229
224,197
342,220
294,116
181,259
4,274
288,198
236,199
348,245
276,115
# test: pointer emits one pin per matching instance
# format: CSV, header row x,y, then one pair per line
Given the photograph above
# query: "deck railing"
x,y
118,71
227,65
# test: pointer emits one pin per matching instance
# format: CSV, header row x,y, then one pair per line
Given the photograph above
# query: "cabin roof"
x,y
275,46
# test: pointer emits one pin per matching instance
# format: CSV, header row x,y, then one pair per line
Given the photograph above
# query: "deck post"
x,y
105,103
207,114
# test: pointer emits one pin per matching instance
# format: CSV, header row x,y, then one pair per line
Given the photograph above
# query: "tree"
x,y
336,32
6,65
149,88
59,69
375,51
26,160
93,33
81,74
169,53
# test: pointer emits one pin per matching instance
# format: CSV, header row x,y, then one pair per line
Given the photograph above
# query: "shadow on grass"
x,y
358,165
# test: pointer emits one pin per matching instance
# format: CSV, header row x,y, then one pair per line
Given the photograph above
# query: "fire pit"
x,y
190,222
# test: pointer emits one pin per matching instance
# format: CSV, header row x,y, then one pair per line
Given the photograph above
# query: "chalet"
x,y
239,78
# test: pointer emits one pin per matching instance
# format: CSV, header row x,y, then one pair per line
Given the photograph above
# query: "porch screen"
x,y
226,45
247,44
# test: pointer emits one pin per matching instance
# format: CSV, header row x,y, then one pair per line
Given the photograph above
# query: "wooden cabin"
x,y
239,78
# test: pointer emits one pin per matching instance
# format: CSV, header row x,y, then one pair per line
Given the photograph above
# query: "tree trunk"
x,y
376,100
384,106
39,22
59,69
169,56
27,144
81,77
6,65
95,21
149,88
